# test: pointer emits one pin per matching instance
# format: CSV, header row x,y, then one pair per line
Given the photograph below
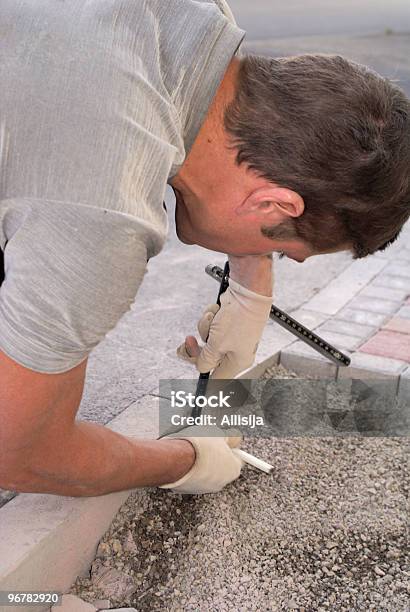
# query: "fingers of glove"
x,y
208,358
234,439
215,465
231,364
205,321
182,353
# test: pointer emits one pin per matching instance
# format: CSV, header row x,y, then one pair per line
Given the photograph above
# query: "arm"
x,y
43,449
253,272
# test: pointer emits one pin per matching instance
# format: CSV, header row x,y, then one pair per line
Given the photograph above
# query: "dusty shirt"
x,y
100,103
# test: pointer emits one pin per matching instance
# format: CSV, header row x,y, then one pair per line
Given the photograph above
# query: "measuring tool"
x,y
295,328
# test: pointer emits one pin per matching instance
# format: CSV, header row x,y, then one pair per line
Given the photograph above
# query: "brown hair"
x,y
335,132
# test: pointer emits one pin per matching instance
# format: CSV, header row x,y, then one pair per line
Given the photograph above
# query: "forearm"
x,y
253,272
93,460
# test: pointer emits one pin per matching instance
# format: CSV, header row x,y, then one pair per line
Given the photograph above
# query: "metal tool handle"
x,y
204,377
296,328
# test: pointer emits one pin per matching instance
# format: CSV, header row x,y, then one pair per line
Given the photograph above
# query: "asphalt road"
x,y
276,18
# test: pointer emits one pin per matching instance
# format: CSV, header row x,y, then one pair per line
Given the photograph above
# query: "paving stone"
x,y
403,255
388,344
384,293
399,325
371,366
404,386
101,604
347,327
404,312
120,610
340,341
309,318
374,305
71,603
345,286
393,282
362,317
398,269
304,360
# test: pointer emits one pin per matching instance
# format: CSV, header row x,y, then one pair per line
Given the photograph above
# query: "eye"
x,y
281,255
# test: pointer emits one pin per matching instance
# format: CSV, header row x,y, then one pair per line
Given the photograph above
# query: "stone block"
x,y
305,361
371,304
399,325
404,386
392,282
379,373
139,420
72,603
339,341
384,293
373,367
362,317
398,269
120,610
349,328
388,344
404,312
345,286
309,318
101,604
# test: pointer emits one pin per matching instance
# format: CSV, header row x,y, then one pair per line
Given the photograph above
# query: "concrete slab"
x,y
347,327
393,282
302,359
371,304
364,366
384,293
71,603
362,317
398,269
404,312
388,343
339,340
342,289
397,324
404,387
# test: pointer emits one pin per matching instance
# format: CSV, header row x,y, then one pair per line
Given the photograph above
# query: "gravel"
x,y
327,530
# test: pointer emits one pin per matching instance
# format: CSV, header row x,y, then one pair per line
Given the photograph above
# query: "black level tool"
x,y
296,328
204,377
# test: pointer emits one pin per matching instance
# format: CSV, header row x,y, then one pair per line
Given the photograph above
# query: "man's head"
x,y
307,155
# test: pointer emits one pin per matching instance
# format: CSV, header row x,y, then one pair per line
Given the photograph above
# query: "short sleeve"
x,y
71,272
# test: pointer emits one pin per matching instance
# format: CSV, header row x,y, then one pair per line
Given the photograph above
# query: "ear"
x,y
275,203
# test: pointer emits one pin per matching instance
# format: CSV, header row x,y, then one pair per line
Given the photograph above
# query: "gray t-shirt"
x,y
100,104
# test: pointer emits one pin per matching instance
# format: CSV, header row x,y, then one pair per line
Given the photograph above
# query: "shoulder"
x,y
225,9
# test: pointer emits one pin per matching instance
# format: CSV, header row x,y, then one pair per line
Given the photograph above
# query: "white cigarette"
x,y
254,461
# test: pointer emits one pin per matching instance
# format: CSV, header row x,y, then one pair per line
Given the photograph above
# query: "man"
x,y
104,103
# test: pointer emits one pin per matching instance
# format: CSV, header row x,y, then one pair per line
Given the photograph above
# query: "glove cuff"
x,y
214,466
241,290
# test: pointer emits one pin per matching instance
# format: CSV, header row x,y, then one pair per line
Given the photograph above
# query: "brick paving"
x,y
388,343
366,313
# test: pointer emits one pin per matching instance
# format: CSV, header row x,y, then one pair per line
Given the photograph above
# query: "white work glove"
x,y
234,331
215,464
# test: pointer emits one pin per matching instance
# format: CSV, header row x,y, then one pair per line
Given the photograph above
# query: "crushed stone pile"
x,y
327,530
